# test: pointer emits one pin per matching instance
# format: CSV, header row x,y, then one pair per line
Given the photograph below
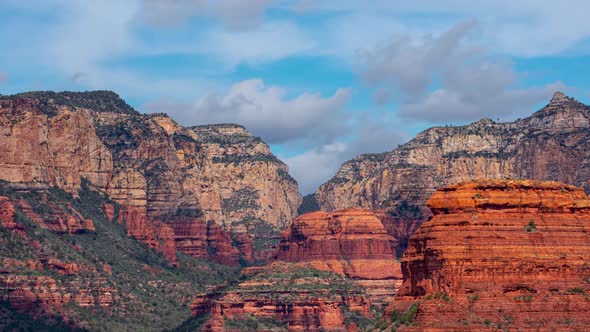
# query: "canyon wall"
x,y
353,243
154,168
284,296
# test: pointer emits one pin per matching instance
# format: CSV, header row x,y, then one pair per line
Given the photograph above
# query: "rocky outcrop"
x,y
201,239
151,166
7,214
98,279
353,243
64,220
499,254
287,297
552,144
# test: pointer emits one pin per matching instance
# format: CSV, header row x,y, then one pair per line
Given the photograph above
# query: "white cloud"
x,y
446,78
266,111
234,14
317,165
268,42
523,28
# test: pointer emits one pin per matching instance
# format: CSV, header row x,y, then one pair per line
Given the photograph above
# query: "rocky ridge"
x,y
551,144
155,169
499,254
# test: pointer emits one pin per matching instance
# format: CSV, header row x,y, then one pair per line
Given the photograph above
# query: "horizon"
x,y
320,83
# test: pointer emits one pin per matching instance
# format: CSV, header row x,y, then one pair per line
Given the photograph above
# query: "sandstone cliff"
x,y
282,297
509,255
353,243
552,144
154,168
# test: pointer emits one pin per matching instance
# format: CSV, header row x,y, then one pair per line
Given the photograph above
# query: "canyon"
x,y
112,219
498,254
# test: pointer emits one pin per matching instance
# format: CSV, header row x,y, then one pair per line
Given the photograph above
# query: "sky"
x,y
320,81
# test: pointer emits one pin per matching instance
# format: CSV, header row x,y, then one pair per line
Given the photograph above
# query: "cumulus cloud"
x,y
234,14
317,165
266,111
524,28
445,78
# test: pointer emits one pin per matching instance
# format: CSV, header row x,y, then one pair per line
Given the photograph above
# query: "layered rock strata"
x,y
153,167
287,297
353,243
499,255
551,144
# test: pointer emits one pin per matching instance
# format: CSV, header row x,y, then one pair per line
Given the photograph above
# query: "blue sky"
x,y
320,81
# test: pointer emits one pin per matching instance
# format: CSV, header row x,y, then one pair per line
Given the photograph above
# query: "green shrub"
x,y
531,227
405,318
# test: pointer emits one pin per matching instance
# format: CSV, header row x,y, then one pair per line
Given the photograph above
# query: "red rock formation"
x,y
145,162
7,214
109,211
28,293
290,295
57,219
201,239
511,254
243,242
156,235
551,144
352,242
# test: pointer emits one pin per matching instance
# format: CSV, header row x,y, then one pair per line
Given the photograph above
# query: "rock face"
x,y
289,297
202,239
353,243
154,168
499,254
552,144
55,268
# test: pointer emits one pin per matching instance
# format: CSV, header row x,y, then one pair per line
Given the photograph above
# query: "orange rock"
x,y
32,293
352,242
510,253
201,239
243,242
155,234
157,165
109,211
265,295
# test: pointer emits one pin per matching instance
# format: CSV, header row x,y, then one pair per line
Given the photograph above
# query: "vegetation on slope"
x,y
152,295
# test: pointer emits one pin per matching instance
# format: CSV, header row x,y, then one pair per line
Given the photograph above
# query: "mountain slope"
x,y
154,168
552,144
88,274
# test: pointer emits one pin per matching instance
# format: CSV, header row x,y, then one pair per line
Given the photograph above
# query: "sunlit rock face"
x,y
154,168
552,144
500,253
352,242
